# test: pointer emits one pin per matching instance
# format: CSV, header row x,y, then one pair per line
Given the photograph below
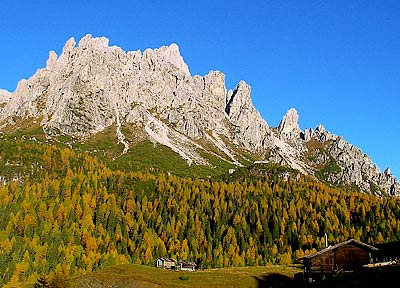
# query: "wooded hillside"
x,y
67,213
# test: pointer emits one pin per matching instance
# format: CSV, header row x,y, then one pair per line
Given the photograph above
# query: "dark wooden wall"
x,y
344,258
351,258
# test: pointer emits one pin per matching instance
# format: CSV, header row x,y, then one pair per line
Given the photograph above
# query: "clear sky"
x,y
336,62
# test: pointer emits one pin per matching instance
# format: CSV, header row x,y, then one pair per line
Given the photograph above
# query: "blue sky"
x,y
336,62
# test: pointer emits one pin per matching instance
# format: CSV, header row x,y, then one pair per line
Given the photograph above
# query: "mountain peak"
x,y
152,96
89,41
69,45
169,54
289,122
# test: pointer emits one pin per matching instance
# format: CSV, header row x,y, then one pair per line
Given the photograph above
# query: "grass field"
x,y
143,276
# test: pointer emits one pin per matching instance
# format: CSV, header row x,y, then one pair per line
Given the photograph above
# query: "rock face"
x,y
342,162
5,96
92,86
289,130
289,127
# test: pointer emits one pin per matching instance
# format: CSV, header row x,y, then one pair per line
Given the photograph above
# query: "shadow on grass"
x,y
369,278
275,280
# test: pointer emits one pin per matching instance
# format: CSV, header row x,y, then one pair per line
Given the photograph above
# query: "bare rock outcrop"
x,y
288,127
251,131
342,162
92,86
5,96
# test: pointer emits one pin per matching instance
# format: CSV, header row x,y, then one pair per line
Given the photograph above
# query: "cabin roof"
x,y
187,263
167,259
334,247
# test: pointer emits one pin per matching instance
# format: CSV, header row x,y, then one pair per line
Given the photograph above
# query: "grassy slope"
x,y
266,276
143,276
141,156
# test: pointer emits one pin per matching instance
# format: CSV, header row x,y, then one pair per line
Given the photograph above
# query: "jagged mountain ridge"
x,y
342,162
92,86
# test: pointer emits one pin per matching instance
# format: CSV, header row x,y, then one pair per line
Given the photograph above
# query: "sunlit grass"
x,y
145,276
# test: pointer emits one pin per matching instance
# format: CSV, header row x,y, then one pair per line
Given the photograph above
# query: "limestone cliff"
x,y
5,96
92,86
336,160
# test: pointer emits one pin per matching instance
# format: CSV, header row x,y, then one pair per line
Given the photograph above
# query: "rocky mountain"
x,y
5,96
333,158
152,95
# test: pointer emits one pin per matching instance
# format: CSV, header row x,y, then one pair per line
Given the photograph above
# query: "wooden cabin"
x,y
166,263
347,256
187,266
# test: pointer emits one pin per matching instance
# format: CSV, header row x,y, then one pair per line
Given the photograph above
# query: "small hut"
x,y
166,263
187,266
347,256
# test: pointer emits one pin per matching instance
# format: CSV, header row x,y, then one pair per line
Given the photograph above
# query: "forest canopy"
x,y
63,211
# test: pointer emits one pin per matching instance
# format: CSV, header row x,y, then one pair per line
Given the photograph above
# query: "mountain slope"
x,y
92,88
334,159
73,215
